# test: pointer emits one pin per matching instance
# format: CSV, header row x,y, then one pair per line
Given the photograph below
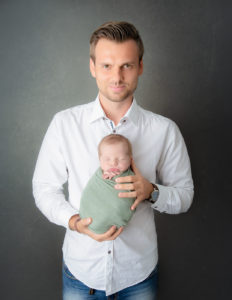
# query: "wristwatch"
x,y
154,195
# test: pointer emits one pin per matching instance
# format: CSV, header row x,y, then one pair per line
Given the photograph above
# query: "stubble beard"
x,y
117,98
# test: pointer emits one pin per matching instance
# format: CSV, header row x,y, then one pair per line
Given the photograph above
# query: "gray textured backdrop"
x,y
44,69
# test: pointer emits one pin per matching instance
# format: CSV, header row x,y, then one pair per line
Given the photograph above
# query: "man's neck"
x,y
115,110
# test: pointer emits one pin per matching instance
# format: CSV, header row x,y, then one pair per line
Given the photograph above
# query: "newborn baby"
x,y
100,199
115,155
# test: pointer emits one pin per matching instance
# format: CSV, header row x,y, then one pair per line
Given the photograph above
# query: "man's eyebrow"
x,y
105,63
128,63
122,64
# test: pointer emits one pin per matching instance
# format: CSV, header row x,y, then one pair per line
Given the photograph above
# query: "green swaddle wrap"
x,y
100,201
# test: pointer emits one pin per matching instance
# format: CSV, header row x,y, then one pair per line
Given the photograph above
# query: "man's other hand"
x,y
81,226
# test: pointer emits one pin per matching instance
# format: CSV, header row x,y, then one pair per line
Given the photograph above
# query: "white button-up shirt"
x,y
69,153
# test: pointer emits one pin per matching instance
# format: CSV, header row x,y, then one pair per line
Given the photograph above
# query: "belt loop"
x,y
91,291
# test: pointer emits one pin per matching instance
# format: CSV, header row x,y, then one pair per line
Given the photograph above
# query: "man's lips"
x,y
118,88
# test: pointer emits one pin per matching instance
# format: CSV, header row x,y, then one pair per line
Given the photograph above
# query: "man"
x,y
120,263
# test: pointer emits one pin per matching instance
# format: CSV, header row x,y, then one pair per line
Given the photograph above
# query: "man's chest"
x,y
80,147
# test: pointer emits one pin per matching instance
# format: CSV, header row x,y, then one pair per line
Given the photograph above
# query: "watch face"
x,y
155,195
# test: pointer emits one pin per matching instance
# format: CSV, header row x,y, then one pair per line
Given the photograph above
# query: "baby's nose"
x,y
115,162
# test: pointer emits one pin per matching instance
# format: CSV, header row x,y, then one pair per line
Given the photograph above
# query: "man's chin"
x,y
118,98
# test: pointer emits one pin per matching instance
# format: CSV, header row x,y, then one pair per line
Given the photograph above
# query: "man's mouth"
x,y
117,88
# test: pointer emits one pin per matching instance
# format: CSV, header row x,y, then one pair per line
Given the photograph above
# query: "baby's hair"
x,y
114,139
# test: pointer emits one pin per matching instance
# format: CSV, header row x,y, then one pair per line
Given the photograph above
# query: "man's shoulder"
x,y
75,111
151,118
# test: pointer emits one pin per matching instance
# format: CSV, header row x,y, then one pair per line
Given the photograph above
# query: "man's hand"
x,y
139,186
82,227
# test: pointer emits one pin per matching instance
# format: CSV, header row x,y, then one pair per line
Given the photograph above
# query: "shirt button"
x,y
109,251
114,131
124,121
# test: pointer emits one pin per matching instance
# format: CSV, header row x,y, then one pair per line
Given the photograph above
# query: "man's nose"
x,y
117,74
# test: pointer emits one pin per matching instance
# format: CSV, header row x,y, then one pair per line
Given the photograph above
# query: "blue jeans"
x,y
74,289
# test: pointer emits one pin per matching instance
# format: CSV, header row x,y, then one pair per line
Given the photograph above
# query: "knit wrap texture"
x,y
100,201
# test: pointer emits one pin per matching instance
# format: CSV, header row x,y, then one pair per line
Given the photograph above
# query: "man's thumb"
x,y
87,221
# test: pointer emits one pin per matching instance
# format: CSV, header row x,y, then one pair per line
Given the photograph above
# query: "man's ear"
x,y
92,67
141,67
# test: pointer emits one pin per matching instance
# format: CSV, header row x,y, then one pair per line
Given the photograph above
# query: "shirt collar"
x,y
132,113
97,111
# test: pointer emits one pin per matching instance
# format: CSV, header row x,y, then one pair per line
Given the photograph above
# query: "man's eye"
x,y
106,66
127,66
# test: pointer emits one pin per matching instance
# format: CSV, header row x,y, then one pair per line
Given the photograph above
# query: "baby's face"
x,y
114,156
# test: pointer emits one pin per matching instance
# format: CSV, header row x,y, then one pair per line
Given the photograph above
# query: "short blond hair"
x,y
112,139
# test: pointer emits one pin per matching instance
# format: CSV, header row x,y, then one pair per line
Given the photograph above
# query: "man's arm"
x,y
49,176
174,174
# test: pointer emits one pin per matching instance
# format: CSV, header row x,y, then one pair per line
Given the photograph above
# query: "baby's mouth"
x,y
114,170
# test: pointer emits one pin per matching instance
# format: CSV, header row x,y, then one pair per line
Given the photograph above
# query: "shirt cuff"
x,y
161,202
67,215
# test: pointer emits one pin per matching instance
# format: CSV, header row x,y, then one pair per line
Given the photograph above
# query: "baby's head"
x,y
115,153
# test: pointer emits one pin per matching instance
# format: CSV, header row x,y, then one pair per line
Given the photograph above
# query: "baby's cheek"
x,y
104,166
125,166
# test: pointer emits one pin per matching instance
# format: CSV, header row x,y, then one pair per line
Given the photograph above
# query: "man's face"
x,y
116,69
114,157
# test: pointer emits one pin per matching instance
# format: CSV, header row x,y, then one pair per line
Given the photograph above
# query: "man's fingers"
x,y
128,194
111,234
82,225
116,234
135,204
125,186
134,168
86,221
126,179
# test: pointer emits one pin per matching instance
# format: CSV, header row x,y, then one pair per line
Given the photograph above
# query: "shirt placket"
x,y
109,265
112,126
